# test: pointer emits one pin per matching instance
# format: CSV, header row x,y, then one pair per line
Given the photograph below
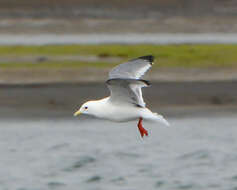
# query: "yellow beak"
x,y
77,113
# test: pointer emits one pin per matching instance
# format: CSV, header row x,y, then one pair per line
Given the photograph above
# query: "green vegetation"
x,y
53,64
186,56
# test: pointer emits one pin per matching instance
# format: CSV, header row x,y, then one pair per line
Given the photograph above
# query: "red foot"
x,y
141,129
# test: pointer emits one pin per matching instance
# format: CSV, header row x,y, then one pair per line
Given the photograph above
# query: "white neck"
x,y
98,107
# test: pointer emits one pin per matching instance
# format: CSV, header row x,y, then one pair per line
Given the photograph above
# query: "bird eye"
x,y
86,107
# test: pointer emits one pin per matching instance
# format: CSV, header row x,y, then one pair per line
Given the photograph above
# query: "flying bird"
x,y
125,102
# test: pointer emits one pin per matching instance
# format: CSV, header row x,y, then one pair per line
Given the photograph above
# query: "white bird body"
x,y
106,109
125,102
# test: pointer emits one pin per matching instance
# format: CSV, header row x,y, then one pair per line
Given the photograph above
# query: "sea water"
x,y
73,153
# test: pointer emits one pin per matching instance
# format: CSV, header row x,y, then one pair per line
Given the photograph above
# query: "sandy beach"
x,y
100,16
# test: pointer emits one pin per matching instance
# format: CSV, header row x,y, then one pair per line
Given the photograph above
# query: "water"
x,y
128,38
195,153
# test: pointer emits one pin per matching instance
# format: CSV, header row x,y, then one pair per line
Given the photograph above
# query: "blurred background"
x,y
55,55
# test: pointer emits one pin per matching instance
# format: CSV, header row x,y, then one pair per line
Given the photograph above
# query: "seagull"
x,y
125,102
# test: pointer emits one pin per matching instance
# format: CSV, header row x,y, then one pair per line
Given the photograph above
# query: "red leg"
x,y
141,129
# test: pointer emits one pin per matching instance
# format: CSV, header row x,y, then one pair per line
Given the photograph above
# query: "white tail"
x,y
161,119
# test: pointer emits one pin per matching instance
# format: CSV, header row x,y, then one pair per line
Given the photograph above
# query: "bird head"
x,y
86,108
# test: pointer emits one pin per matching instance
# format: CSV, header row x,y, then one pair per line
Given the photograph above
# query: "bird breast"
x,y
118,112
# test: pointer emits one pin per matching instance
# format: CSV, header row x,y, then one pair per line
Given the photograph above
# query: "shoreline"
x,y
118,38
60,100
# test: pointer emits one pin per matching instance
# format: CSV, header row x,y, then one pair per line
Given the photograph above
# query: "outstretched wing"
x,y
132,69
125,84
127,91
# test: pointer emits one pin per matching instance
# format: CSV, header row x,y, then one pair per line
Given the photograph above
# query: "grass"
x,y
53,65
186,56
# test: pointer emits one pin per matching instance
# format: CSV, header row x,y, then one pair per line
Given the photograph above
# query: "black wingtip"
x,y
149,58
145,81
113,80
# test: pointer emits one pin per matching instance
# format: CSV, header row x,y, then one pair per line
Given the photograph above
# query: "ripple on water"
x,y
184,187
159,184
24,188
58,146
84,161
199,154
234,178
118,180
94,179
55,185
127,155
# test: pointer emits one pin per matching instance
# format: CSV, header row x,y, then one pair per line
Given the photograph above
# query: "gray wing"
x,y
124,81
127,91
133,69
